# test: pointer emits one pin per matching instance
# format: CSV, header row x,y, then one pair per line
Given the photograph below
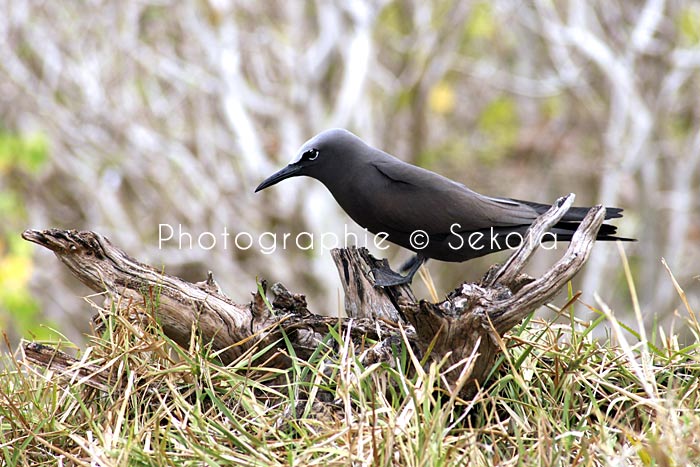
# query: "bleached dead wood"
x,y
468,322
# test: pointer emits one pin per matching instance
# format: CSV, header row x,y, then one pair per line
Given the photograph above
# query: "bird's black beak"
x,y
291,170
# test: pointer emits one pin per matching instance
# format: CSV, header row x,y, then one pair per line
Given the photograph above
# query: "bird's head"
x,y
321,156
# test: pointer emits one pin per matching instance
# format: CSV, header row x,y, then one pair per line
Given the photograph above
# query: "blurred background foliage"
x,y
117,116
21,158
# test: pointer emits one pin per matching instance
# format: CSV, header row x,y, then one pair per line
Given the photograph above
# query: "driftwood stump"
x,y
465,328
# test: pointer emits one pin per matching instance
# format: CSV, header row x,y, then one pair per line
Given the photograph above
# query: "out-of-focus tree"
x,y
170,112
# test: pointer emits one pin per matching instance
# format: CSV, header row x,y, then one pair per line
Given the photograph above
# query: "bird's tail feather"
x,y
573,214
565,232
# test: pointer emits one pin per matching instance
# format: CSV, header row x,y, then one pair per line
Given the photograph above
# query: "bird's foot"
x,y
386,277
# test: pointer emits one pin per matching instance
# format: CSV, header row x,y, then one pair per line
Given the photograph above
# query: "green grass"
x,y
558,396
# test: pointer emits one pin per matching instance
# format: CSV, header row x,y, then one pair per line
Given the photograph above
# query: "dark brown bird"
x,y
418,209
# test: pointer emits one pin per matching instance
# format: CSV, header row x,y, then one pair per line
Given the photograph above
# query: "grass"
x,y
558,396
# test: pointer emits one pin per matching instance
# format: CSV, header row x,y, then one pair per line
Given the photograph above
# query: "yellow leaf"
x,y
15,272
481,23
441,98
689,25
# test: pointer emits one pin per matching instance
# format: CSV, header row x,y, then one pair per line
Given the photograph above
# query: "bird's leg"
x,y
385,276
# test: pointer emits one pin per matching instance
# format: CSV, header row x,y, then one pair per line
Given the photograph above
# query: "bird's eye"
x,y
310,155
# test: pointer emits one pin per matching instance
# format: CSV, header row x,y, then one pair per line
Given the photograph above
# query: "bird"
x,y
388,196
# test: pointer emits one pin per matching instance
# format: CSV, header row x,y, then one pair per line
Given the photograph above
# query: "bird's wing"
x,y
413,198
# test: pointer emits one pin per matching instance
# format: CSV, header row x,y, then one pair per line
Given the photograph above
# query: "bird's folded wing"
x,y
413,198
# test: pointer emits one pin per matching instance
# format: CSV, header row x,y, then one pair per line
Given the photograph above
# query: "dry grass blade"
x,y
557,397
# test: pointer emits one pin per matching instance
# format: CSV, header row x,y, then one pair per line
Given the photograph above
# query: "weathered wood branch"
x,y
512,268
67,366
229,328
471,318
474,315
362,298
